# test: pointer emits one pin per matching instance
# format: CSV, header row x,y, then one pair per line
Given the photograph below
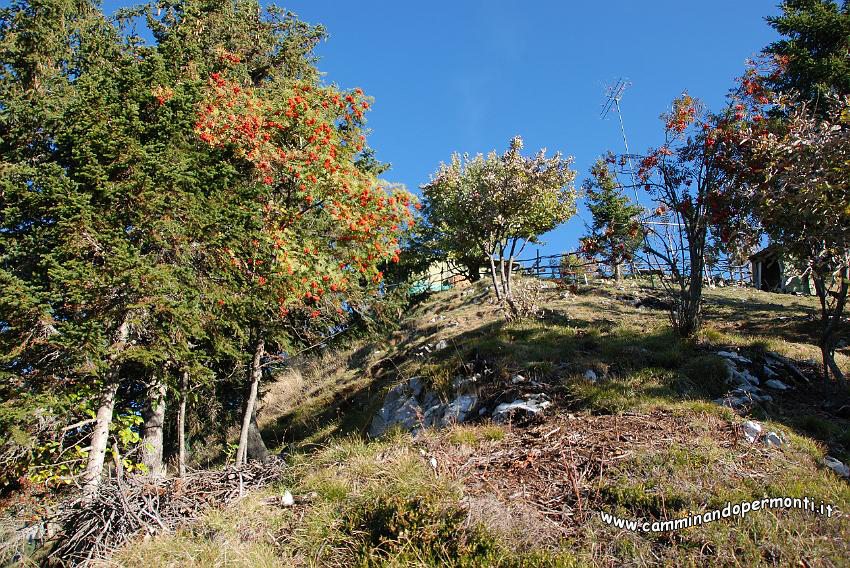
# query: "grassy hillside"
x,y
644,442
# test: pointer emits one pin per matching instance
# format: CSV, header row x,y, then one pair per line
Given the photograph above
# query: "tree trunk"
x,y
256,372
100,438
116,459
152,431
493,278
687,311
181,425
618,273
831,322
100,433
256,449
473,271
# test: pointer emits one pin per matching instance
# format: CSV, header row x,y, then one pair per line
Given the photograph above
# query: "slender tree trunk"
x,y
100,436
831,321
502,277
152,431
618,273
100,433
116,459
493,278
181,424
256,372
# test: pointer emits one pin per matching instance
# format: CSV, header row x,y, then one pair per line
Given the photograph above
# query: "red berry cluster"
x,y
302,143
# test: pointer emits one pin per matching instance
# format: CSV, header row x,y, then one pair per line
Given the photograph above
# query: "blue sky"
x,y
467,75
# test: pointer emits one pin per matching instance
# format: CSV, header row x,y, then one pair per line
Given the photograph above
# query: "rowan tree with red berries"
x,y
325,225
684,178
172,216
791,165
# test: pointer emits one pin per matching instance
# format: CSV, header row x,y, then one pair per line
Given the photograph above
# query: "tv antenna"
x,y
615,94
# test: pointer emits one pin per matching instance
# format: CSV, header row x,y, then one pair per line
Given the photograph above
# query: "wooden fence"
x,y
588,272
550,267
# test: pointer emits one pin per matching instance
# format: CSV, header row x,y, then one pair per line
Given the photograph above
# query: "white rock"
x,y
752,430
590,375
776,385
773,439
287,500
433,463
442,344
457,410
517,379
506,409
836,466
736,377
734,357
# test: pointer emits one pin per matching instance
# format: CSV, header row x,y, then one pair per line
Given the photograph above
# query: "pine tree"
x,y
815,54
615,233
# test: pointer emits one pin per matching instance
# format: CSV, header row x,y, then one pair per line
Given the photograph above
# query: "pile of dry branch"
x,y
557,467
123,509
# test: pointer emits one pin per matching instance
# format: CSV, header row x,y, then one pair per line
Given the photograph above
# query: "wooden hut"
x,y
773,272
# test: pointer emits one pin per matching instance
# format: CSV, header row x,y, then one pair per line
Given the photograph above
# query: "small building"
x,y
440,275
773,272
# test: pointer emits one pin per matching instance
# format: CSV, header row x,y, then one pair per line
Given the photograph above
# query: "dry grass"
x,y
643,443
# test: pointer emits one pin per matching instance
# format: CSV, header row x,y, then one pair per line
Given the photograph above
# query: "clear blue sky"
x,y
467,75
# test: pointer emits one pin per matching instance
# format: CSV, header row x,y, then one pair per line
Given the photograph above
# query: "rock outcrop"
x,y
412,406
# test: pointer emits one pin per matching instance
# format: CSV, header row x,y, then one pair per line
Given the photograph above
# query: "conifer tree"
x,y
615,233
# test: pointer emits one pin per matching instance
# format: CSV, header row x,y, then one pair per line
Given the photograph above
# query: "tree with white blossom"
x,y
499,204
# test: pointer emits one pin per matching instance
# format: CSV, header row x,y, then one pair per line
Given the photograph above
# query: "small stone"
x,y
442,344
747,389
776,384
773,439
734,357
736,377
528,407
836,466
749,377
590,375
517,379
458,409
433,463
416,385
287,500
752,430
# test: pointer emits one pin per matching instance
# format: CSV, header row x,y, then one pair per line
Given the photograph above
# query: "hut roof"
x,y
766,252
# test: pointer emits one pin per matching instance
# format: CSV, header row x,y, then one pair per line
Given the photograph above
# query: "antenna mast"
x,y
615,93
